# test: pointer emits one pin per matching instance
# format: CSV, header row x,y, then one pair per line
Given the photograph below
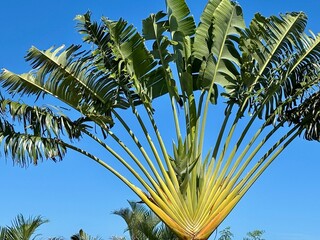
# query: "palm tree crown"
x,y
22,229
260,80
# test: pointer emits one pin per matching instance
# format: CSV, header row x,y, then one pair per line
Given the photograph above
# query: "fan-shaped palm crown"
x,y
267,73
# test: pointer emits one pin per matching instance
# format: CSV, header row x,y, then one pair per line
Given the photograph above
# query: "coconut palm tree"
x,y
239,95
22,229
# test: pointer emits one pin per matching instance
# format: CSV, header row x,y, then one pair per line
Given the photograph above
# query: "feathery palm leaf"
x,y
154,29
3,233
285,68
269,43
111,51
41,132
22,228
214,46
143,223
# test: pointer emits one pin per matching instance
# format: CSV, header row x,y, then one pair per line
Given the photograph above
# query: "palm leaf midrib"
x,y
69,73
271,55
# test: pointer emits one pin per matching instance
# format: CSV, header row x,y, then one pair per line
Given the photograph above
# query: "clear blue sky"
x,y
76,193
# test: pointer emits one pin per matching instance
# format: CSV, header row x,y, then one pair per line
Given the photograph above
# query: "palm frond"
x,y
141,222
109,62
22,228
134,59
24,148
42,121
154,29
269,49
272,39
216,55
182,28
180,19
102,54
307,116
64,74
71,79
40,134
3,233
271,69
285,66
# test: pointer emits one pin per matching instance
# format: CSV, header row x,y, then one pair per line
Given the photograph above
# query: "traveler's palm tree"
x,y
22,229
264,77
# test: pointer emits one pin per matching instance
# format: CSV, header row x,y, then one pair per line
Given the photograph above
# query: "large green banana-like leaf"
x,y
154,28
42,121
41,132
303,74
106,57
307,116
182,28
271,68
272,37
129,49
24,148
271,42
71,80
180,19
277,78
214,45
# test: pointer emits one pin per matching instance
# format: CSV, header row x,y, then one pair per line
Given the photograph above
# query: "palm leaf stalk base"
x,y
238,96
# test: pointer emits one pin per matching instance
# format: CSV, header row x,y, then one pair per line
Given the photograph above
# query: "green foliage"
x,y
265,76
143,224
22,229
255,235
226,234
